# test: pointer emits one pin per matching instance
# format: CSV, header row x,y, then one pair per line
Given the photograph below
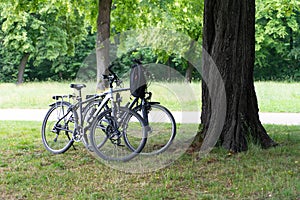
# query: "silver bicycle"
x,y
112,127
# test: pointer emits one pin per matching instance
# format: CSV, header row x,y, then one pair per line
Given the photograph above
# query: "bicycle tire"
x,y
162,129
53,140
88,111
108,133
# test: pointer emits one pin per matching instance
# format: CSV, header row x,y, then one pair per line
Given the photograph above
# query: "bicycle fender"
x,y
52,104
154,103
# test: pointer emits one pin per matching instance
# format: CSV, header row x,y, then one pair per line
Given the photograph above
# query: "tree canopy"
x,y
278,39
42,30
57,35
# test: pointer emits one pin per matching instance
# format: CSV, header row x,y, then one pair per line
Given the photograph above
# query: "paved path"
x,y
266,118
186,117
23,114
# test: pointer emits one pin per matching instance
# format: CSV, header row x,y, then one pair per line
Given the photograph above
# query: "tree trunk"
x,y
190,67
291,38
229,40
189,73
102,48
22,68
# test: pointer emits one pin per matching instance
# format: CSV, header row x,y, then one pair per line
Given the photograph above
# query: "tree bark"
x,y
21,69
190,67
102,47
229,40
189,73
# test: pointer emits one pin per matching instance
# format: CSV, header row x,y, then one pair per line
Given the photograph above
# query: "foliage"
x,y
65,67
278,39
8,62
41,29
60,34
163,26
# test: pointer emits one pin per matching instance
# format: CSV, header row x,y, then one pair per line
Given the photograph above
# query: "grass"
x,y
27,171
176,96
272,96
278,97
30,95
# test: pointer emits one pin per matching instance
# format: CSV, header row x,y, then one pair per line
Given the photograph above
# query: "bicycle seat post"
x,y
78,87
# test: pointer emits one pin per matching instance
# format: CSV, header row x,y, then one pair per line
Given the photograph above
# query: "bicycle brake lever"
x,y
104,76
149,96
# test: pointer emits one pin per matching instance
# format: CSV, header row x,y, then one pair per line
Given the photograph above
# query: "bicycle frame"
x,y
107,96
143,106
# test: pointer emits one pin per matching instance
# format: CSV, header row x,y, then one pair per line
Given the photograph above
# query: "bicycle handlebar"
x,y
111,77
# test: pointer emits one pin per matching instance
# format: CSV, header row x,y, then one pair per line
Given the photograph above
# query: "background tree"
x,y
277,35
102,44
40,30
180,16
277,40
229,39
188,18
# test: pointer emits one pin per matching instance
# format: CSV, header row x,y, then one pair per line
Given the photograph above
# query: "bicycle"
x,y
160,125
159,121
63,124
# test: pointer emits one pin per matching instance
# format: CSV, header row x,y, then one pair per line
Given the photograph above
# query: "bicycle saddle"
x,y
77,86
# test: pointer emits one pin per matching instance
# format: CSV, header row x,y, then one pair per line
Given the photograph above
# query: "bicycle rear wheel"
x,y
161,129
111,128
58,127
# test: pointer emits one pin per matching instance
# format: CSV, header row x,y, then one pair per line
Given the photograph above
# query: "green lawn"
x,y
30,95
27,171
278,97
272,96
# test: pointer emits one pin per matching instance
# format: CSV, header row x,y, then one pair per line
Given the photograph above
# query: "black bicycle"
x,y
159,121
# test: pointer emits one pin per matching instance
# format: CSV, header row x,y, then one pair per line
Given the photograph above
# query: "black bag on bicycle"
x,y
138,83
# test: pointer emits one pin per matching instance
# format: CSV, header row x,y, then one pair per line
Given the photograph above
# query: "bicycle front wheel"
x,y
110,129
88,112
58,127
161,129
